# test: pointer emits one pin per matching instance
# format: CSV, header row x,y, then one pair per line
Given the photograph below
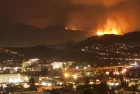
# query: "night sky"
x,y
83,15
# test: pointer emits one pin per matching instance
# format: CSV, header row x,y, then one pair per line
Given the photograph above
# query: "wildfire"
x,y
102,32
71,28
66,28
109,28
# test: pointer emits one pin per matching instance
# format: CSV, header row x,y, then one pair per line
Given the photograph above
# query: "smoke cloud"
x,y
85,15
95,13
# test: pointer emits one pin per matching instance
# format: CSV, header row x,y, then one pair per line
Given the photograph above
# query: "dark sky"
x,y
85,15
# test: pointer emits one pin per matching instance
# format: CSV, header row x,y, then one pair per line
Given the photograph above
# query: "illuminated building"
x,y
26,64
11,78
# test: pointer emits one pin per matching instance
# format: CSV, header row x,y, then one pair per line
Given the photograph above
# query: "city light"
x,y
26,78
124,70
57,65
75,76
66,75
33,60
134,64
77,67
113,84
97,81
107,73
15,80
26,85
85,67
44,83
49,84
60,83
117,73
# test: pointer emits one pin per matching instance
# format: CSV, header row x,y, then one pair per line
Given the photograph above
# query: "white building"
x,y
10,78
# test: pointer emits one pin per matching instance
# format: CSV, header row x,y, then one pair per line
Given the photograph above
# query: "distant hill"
x,y
18,34
68,49
132,36
128,37
19,29
34,52
64,45
45,53
109,39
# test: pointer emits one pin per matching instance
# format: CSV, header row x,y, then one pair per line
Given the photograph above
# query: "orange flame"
x,y
71,28
112,31
109,28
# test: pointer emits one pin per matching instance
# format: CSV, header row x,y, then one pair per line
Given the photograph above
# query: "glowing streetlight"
x,y
66,75
77,67
107,73
49,84
44,83
124,70
75,76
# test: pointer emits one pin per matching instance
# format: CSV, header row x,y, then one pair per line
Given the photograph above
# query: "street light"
x,y
66,75
75,76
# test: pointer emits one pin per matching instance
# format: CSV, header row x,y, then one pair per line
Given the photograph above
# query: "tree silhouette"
x,y
32,83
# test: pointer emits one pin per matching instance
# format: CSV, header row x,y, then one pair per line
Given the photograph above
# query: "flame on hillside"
x,y
111,27
71,28
108,31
